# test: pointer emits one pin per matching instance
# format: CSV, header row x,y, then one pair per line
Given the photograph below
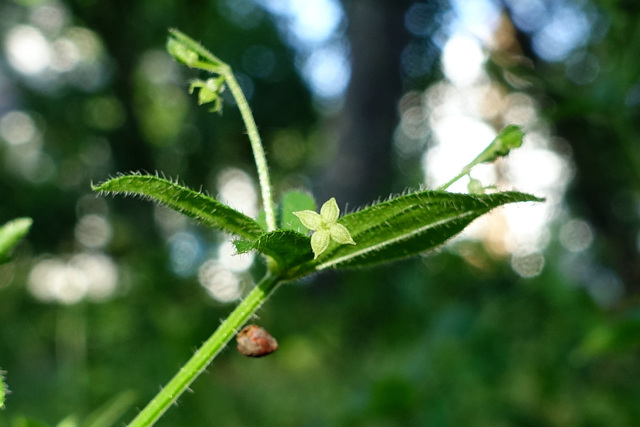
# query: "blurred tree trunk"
x,y
361,170
124,45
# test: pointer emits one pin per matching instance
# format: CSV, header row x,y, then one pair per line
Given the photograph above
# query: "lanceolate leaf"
x,y
287,247
11,233
406,226
186,201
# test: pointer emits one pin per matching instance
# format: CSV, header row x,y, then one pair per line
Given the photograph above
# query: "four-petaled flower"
x,y
325,227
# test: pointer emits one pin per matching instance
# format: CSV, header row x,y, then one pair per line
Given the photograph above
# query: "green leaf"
x,y
186,201
287,247
294,201
10,235
3,389
406,226
261,219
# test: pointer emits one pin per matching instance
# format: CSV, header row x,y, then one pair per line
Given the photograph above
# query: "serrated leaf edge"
x,y
246,234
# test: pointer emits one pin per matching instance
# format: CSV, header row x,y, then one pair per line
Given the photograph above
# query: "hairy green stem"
x,y
206,353
194,55
509,138
252,131
256,146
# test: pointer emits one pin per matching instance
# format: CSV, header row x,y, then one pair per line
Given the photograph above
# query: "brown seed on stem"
x,y
254,341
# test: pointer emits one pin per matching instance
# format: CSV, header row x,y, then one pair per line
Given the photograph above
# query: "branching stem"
x,y
464,172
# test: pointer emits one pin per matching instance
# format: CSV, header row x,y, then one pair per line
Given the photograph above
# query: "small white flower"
x,y
325,227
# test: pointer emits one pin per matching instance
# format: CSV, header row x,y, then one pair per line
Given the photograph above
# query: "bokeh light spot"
x,y
529,15
50,17
327,71
85,275
65,55
238,191
576,235
528,265
222,284
308,21
157,67
100,272
93,231
168,220
462,60
17,127
549,169
459,139
519,109
566,29
48,282
87,42
185,251
229,258
313,29
28,51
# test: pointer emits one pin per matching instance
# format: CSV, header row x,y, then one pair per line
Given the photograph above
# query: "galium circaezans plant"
x,y
397,228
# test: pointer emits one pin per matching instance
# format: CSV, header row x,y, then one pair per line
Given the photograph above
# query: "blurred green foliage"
x,y
454,338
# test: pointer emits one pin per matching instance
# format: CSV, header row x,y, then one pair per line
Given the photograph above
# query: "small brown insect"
x,y
254,341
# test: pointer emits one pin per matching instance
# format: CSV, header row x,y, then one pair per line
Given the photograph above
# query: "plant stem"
x,y
256,144
465,171
206,353
194,55
509,138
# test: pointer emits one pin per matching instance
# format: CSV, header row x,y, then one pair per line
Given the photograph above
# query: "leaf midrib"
x,y
397,239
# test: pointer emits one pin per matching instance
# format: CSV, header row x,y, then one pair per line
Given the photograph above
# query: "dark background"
x,y
458,337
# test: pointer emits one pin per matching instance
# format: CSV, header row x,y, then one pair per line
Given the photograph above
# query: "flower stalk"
x,y
509,138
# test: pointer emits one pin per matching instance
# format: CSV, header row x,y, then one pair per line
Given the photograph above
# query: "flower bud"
x,y
181,53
